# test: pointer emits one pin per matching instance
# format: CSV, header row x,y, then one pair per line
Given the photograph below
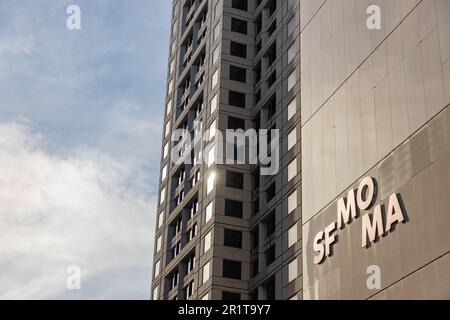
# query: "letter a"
x,y
374,19
374,280
73,22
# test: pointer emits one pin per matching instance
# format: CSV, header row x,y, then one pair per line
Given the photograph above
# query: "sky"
x,y
81,115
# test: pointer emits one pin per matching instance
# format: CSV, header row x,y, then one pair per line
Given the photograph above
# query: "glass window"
x,y
238,74
215,79
292,109
167,130
216,54
166,150
292,271
292,51
231,269
211,156
206,272
234,180
155,293
238,25
232,238
233,208
207,242
292,80
158,244
217,30
157,267
209,212
164,173
210,184
214,104
163,196
292,170
231,296
292,25
292,138
292,202
292,236
236,99
240,4
169,107
238,49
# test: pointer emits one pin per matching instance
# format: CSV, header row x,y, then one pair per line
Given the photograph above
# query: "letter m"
x,y
346,210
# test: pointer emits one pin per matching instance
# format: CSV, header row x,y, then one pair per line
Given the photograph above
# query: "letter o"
x,y
366,184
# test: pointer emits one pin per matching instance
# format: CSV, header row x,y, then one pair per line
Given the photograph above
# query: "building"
x,y
375,103
223,231
365,133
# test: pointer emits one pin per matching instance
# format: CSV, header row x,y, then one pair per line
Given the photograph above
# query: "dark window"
x,y
258,46
236,123
272,6
238,49
230,295
272,28
270,255
258,23
270,224
238,25
270,192
271,107
271,54
236,99
255,206
233,208
238,74
255,265
232,269
258,96
269,289
272,78
240,4
253,295
255,238
232,238
234,180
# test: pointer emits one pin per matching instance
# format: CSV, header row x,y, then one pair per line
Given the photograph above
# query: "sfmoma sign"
x,y
380,222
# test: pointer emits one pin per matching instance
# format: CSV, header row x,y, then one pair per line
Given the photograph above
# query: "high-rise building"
x,y
224,231
359,205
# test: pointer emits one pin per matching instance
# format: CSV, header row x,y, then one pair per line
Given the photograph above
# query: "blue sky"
x,y
80,129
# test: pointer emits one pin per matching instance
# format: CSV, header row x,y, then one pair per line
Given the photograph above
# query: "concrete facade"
x,y
375,103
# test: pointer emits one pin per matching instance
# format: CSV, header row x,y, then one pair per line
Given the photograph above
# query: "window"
x,y
166,150
233,208
172,66
189,289
291,3
255,267
214,104
206,272
292,51
271,106
209,212
255,206
255,238
238,74
215,79
292,271
160,219
207,242
217,30
158,244
205,297
231,269
292,80
211,156
167,130
292,24
292,170
164,173
190,263
155,293
218,8
292,236
212,130
292,109
162,196
292,202
169,107
157,267
238,25
292,138
270,255
171,84
216,54
270,224
231,296
238,49
270,192
232,238
236,123
234,180
240,4
210,183
236,99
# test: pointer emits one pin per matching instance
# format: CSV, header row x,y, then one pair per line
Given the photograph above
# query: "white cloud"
x,y
15,46
84,208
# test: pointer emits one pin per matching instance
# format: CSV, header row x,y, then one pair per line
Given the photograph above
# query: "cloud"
x,y
83,207
15,46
